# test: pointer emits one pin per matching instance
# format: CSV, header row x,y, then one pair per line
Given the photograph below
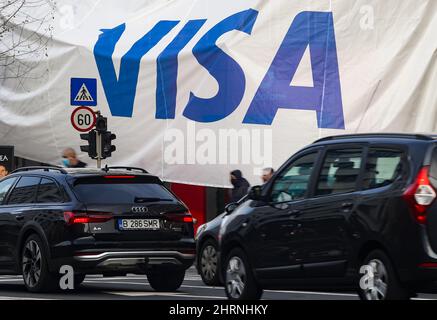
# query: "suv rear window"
x,y
116,191
382,168
48,192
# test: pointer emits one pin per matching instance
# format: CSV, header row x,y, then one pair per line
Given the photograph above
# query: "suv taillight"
x,y
179,217
420,195
82,217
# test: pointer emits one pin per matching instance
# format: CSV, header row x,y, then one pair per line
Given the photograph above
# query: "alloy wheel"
x,y
235,277
208,262
378,290
31,263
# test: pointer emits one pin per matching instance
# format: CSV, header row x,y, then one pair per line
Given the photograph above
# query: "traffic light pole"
x,y
99,149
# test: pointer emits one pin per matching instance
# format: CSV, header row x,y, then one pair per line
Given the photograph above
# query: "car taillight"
x,y
420,195
119,177
428,265
82,217
179,217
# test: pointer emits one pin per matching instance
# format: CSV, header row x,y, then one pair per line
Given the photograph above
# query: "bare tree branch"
x,y
25,31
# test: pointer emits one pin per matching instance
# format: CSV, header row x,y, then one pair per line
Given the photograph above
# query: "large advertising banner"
x,y
194,89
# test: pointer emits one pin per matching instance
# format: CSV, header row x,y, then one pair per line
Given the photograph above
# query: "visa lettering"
x,y
314,30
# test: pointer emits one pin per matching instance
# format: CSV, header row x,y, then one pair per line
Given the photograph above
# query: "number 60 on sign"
x,y
83,119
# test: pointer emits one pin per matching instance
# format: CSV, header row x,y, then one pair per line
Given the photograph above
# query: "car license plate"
x,y
138,224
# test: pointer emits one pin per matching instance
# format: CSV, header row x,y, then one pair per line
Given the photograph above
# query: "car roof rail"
x,y
106,168
44,168
380,135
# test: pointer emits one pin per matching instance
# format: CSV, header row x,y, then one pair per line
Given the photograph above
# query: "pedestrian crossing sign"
x,y
83,92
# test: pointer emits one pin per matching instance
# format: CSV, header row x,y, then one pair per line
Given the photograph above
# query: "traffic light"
x,y
91,148
99,136
101,124
107,147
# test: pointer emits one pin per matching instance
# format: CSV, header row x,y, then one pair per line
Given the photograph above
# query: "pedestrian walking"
x,y
241,186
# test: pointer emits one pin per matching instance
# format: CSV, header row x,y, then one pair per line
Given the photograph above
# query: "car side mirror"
x,y
231,207
255,193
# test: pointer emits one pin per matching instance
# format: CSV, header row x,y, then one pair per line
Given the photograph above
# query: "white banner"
x,y
195,89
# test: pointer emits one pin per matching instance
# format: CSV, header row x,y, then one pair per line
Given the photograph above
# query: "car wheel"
x,y
240,283
36,275
166,280
208,263
383,282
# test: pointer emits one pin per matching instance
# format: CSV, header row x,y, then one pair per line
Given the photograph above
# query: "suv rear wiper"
x,y
149,199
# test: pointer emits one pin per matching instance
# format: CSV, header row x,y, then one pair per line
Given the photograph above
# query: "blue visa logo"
x,y
309,29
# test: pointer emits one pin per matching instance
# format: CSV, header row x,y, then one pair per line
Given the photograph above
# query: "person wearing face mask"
x,y
70,160
241,186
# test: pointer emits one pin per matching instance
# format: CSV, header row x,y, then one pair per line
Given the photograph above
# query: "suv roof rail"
x,y
380,135
106,168
44,168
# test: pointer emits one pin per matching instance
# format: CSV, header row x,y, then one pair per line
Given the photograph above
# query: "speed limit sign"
x,y
83,119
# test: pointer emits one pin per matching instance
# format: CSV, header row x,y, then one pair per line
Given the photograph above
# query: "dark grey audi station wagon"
x,y
112,221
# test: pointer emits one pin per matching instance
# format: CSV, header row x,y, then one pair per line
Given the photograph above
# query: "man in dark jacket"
x,y
70,160
241,186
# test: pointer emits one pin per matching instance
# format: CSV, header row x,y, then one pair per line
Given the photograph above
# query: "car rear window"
x,y
383,167
48,192
120,191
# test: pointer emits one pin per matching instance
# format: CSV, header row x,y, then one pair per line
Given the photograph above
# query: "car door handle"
x,y
347,206
245,223
19,217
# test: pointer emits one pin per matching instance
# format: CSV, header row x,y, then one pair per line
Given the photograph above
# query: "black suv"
x,y
113,221
347,212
